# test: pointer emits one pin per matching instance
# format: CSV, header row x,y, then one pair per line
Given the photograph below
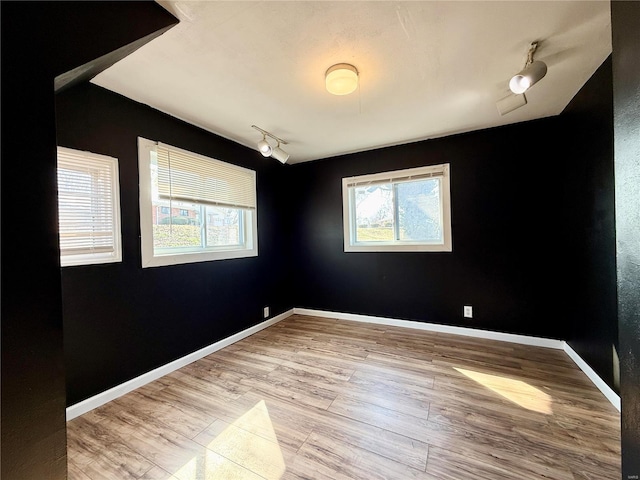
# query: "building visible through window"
x,y
194,208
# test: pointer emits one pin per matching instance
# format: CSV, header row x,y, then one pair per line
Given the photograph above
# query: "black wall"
x,y
120,320
588,225
505,225
532,225
41,40
625,22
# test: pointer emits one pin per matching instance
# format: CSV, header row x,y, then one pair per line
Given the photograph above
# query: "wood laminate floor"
x,y
314,398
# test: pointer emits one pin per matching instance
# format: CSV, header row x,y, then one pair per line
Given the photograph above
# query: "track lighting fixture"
x,y
267,150
264,147
280,154
532,72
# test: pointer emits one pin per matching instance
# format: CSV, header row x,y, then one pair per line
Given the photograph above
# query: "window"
x,y
194,208
88,208
405,210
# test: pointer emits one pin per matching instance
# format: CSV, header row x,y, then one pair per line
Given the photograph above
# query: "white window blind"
x,y
401,176
190,177
88,208
194,208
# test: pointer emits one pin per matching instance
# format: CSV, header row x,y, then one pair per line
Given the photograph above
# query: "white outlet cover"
x,y
468,311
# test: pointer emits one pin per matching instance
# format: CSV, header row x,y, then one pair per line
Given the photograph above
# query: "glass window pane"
x,y
186,230
419,211
176,225
403,210
224,226
374,213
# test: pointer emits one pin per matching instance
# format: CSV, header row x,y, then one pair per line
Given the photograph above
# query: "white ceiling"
x,y
427,68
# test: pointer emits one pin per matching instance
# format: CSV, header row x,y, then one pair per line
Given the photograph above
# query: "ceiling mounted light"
x,y
267,150
264,147
280,154
341,79
530,74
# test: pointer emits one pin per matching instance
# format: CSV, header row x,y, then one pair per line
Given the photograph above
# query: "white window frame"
x,y
349,218
106,167
151,259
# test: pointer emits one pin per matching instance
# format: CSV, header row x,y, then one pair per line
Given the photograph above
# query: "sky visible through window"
x,y
417,216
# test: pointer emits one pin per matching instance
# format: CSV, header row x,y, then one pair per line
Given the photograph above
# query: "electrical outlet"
x,y
266,312
468,311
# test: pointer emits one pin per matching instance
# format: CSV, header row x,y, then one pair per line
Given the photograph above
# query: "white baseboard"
x,y
432,327
471,332
606,390
100,399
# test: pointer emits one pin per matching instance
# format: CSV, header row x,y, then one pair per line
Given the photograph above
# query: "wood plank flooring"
x,y
314,398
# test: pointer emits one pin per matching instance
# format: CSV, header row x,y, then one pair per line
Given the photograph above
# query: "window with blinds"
x,y
88,208
188,177
403,210
194,208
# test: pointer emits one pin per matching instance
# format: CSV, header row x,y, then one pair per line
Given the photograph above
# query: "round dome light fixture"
x,y
341,79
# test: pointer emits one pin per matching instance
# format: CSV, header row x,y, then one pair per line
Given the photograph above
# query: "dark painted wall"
x,y
120,320
625,24
39,42
505,224
533,252
533,233
33,444
33,395
588,225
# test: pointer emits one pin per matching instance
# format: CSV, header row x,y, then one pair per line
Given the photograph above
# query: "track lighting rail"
x,y
264,132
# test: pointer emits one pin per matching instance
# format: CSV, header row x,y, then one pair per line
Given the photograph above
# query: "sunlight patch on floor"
x,y
247,449
516,391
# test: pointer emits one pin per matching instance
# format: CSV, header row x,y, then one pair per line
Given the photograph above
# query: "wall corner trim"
x,y
90,403
472,332
606,390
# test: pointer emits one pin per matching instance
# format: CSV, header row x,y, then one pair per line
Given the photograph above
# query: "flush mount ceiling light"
x,y
267,150
530,74
341,79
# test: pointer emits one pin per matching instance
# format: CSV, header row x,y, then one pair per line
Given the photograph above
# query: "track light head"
x,y
264,147
527,77
280,154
